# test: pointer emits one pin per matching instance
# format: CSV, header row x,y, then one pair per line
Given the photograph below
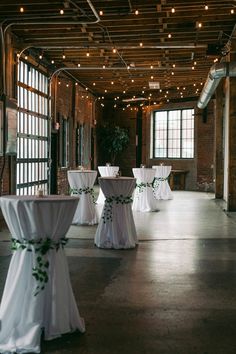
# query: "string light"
x,y
198,24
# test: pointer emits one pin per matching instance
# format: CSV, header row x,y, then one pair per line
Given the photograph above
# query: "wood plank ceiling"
x,y
121,48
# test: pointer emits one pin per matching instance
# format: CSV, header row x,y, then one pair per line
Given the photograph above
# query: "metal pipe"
x,y
217,71
52,22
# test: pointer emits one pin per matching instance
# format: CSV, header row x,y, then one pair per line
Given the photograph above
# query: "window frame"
x,y
153,126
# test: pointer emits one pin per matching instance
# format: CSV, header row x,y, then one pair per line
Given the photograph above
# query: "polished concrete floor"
x,y
174,294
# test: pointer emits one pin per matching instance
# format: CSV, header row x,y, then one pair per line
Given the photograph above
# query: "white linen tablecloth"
x,y
106,171
81,183
37,225
161,186
144,199
116,228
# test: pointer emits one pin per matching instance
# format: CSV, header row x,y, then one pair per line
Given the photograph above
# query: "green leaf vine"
x,y
109,201
85,190
41,248
141,186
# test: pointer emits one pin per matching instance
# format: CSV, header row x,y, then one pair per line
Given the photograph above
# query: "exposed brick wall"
x,y
200,169
205,149
77,105
127,119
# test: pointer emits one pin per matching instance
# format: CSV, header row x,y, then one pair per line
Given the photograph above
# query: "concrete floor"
x,y
174,294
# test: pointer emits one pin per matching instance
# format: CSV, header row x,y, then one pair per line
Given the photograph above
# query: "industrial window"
x,y
173,134
32,130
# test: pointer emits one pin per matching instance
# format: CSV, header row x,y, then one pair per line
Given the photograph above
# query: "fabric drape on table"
x,y
106,171
85,212
120,231
161,186
53,310
144,199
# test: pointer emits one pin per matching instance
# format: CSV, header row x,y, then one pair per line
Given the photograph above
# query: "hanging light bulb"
x,y
173,10
61,12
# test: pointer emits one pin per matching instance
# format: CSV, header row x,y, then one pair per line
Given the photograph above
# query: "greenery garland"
x,y
143,185
85,190
109,201
157,181
41,247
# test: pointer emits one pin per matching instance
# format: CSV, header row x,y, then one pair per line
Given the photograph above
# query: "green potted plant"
x,y
112,140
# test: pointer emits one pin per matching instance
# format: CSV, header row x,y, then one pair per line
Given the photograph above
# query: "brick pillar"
x,y
219,172
231,204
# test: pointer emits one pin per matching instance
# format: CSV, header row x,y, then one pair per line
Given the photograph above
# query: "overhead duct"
x,y
217,71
